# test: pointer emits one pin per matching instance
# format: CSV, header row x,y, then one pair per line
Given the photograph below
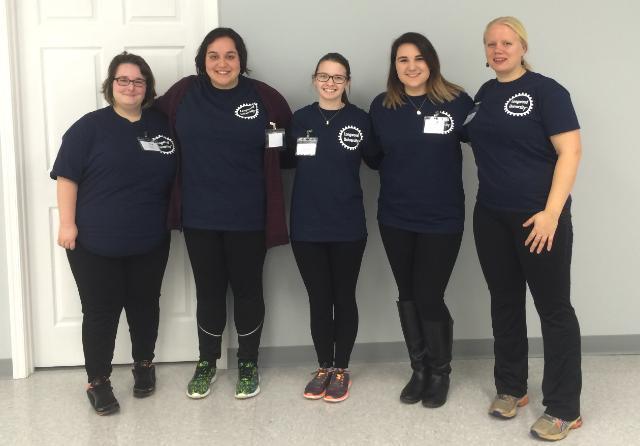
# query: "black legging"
x,y
508,267
107,285
220,258
422,265
330,272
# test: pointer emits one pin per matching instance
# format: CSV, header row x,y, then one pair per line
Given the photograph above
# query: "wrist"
x,y
553,212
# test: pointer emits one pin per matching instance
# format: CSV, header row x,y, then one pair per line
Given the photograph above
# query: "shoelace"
x,y
339,374
321,372
558,422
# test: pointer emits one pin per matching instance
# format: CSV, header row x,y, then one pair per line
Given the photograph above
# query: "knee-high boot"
x,y
412,330
438,339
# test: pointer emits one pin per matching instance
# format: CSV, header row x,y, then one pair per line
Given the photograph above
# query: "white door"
x,y
65,47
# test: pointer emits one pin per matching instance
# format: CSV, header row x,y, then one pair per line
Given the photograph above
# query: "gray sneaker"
x,y
552,428
506,406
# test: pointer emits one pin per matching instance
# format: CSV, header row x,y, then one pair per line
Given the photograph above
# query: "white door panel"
x,y
65,47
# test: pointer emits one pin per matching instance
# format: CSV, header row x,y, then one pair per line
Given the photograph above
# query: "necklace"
x,y
328,120
418,109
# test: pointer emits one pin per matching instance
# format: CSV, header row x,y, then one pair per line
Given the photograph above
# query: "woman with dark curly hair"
x,y
228,197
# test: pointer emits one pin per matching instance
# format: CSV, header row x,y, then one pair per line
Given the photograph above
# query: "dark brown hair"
x,y
339,58
216,34
145,70
439,90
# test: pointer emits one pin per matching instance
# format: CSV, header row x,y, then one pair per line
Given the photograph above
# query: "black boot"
x,y
101,396
144,378
410,322
438,337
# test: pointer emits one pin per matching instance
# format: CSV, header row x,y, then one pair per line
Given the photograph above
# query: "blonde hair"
x,y
517,27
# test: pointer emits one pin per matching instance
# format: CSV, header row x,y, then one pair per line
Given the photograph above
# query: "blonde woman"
x,y
526,141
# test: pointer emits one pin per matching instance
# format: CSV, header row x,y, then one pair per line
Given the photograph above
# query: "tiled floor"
x,y
51,408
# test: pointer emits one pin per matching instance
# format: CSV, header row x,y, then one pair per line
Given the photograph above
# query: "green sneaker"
x,y
200,384
248,379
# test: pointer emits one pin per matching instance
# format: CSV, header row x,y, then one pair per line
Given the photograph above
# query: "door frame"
x,y
13,195
13,188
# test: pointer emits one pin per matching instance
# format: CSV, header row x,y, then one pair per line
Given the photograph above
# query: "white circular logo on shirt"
x,y
350,137
165,144
520,104
247,110
448,124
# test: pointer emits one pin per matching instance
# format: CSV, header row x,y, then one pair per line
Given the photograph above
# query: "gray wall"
x,y
588,48
5,329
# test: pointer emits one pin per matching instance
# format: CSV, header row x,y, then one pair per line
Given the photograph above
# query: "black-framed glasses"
x,y
337,78
125,81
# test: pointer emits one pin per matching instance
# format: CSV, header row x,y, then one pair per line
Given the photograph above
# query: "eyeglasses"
x,y
125,81
324,77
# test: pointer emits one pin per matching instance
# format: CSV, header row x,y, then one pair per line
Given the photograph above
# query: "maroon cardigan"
x,y
278,111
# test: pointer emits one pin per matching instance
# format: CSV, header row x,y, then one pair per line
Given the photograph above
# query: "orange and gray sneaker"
x,y
317,387
552,428
506,406
338,388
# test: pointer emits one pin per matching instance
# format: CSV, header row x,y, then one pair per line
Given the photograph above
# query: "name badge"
x,y
306,146
434,124
148,145
274,137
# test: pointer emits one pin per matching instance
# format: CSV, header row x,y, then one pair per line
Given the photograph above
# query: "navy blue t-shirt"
x,y
222,137
123,190
421,173
510,139
326,204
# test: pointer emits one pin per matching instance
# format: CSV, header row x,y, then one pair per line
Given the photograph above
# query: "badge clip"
x,y
274,137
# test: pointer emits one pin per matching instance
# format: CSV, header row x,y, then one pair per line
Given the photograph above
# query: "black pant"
x,y
330,274
422,265
220,258
108,284
508,267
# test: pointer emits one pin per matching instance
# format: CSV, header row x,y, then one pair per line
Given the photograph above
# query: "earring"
x,y
522,62
486,64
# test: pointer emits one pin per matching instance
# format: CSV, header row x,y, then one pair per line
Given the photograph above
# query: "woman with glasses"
x,y
114,173
228,197
328,231
526,140
417,124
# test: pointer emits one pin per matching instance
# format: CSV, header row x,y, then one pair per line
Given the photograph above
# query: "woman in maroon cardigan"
x,y
227,197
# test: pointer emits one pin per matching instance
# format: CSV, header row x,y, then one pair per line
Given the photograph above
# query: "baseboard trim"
x,y
372,352
6,369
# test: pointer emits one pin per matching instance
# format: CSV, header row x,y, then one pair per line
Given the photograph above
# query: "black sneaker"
x,y
317,387
338,388
101,396
144,378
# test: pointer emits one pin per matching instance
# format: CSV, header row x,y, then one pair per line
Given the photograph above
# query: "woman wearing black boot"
x,y
417,124
114,173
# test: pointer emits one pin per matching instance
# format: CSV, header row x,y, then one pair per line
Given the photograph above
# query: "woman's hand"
x,y
67,196
544,224
67,236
